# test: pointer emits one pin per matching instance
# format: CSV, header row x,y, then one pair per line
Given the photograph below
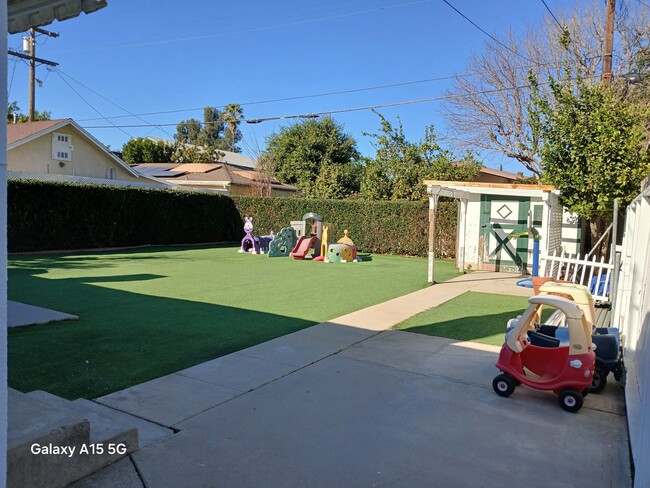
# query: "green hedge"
x,y
65,216
376,227
48,216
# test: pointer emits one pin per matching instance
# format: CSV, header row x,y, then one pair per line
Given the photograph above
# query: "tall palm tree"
x,y
233,114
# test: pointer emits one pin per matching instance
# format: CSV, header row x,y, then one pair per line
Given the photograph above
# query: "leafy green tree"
x,y
189,153
307,152
591,142
14,110
400,166
218,130
142,150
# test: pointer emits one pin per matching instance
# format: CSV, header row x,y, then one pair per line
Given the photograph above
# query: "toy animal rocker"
x,y
538,361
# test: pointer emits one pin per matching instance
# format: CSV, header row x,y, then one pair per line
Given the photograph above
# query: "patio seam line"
x,y
419,373
270,381
174,429
137,470
205,381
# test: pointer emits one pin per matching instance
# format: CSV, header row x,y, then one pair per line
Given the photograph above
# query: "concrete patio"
x,y
349,403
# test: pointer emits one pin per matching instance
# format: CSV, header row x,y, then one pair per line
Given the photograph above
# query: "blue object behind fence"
x,y
598,287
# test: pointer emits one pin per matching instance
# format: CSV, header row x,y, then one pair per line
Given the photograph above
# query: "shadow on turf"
x,y
124,338
470,328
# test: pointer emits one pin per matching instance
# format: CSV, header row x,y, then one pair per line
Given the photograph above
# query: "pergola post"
x,y
462,232
433,206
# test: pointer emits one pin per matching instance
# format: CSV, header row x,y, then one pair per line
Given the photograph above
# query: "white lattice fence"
x,y
593,273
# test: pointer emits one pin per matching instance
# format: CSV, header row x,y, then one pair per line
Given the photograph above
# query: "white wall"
x,y
632,316
3,248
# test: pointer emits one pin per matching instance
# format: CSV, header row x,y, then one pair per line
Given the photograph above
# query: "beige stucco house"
x,y
61,150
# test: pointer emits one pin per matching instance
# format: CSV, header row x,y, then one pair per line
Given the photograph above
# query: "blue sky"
x,y
149,56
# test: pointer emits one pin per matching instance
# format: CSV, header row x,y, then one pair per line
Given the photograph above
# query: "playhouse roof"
x,y
462,189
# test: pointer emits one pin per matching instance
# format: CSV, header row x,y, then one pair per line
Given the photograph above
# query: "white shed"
x,y
488,213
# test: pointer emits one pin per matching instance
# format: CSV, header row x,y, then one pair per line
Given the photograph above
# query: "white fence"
x,y
593,273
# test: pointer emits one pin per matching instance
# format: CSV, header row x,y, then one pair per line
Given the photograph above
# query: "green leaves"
x,y
317,156
399,168
591,139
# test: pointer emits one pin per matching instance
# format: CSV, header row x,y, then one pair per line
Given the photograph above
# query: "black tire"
x,y
503,385
599,380
570,400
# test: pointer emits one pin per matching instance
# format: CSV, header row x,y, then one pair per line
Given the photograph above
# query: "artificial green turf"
x,y
148,312
472,316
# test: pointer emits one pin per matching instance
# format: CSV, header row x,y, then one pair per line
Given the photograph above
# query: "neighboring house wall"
x,y
87,160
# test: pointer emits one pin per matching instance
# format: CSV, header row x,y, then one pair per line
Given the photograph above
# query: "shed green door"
x,y
500,216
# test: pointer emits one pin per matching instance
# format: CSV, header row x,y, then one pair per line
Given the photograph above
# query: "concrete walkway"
x,y
21,314
344,404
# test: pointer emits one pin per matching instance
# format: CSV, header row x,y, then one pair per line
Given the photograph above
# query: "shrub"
x,y
65,216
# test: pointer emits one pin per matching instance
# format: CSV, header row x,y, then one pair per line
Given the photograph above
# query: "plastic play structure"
x,y
344,251
282,243
296,242
254,244
609,351
533,359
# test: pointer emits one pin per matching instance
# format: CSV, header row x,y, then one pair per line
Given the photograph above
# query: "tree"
x,y
189,153
217,131
304,150
14,115
232,115
141,150
488,108
591,144
400,166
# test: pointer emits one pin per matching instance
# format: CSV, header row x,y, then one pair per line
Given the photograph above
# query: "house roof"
x,y
19,134
203,173
502,174
229,157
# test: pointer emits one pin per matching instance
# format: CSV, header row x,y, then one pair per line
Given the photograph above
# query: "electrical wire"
x,y
339,111
90,105
313,115
299,97
257,29
11,80
131,114
553,15
485,32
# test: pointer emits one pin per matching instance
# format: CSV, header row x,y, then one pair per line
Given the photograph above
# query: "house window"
x,y
111,174
62,147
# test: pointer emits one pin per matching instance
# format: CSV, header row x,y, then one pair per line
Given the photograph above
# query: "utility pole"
x,y
31,57
609,42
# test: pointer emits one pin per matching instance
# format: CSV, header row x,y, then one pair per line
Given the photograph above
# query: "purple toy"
x,y
254,244
248,243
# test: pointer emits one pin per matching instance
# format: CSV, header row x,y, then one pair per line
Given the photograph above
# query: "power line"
x,y
90,105
259,29
553,15
131,114
485,32
338,111
298,97
303,97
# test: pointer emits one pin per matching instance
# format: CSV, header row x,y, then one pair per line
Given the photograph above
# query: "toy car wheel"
x,y
599,380
570,400
503,385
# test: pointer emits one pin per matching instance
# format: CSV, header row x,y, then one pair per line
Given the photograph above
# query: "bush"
x,y
65,216
384,227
